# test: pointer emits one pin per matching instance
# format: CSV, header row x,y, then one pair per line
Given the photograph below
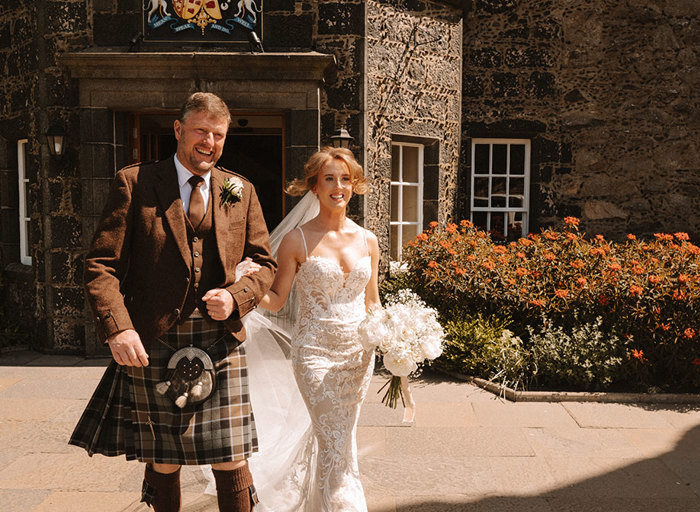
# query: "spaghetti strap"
x,y
364,234
303,239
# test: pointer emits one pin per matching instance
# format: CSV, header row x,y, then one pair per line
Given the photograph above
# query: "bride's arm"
x,y
289,255
372,290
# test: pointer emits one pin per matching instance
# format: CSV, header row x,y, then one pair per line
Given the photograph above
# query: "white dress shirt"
x,y
183,176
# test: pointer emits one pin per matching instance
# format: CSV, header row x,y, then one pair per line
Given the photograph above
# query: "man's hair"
x,y
205,102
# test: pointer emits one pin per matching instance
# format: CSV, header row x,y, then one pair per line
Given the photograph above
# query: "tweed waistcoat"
x,y
207,271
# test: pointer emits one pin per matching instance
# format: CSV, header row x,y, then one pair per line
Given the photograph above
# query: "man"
x,y
160,276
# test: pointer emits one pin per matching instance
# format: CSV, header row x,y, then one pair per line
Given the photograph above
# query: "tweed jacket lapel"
x,y
226,217
168,192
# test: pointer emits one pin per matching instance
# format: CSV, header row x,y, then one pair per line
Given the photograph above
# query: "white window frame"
x,y
507,211
401,184
23,185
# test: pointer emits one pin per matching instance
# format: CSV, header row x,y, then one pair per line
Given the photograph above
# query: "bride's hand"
x,y
246,268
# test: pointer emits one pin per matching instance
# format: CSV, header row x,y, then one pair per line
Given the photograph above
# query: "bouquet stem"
x,y
393,393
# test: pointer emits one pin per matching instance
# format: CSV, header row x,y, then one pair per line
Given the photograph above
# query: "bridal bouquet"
x,y
405,332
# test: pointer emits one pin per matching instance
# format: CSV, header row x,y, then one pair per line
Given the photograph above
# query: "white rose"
x,y
431,348
399,364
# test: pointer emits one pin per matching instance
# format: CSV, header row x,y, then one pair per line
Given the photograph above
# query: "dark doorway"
x,y
254,148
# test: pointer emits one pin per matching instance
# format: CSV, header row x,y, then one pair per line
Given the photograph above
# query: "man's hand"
x,y
127,349
219,303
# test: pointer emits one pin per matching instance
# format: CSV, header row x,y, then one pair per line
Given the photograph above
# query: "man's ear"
x,y
177,128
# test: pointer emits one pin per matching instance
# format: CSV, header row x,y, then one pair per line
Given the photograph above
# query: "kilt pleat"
x,y
127,416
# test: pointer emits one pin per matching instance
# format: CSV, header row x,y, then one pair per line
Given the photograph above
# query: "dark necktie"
x,y
196,211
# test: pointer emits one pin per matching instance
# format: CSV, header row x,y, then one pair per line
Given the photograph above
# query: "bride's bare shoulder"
x,y
292,245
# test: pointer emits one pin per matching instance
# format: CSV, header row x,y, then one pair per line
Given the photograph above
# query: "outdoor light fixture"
x,y
341,138
56,136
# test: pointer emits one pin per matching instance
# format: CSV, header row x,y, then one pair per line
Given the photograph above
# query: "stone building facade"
x,y
511,112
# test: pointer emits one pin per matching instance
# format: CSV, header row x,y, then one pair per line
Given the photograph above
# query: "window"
x,y
500,185
24,254
406,195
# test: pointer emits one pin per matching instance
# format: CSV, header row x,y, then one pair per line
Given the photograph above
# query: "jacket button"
x,y
195,239
108,315
187,279
176,312
245,289
196,254
196,269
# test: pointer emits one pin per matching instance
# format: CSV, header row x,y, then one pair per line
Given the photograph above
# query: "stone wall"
x,y
608,93
413,91
36,92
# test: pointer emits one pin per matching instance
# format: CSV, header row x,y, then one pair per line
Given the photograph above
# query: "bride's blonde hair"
x,y
314,165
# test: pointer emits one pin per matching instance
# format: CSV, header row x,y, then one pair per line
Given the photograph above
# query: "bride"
x,y
333,264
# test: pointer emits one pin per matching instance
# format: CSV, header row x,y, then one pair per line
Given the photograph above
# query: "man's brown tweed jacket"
x,y
138,269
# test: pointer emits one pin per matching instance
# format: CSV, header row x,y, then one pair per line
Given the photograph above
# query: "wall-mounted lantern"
x,y
341,138
56,137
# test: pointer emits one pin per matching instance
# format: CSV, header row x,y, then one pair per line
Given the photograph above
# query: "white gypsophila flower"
x,y
400,364
231,190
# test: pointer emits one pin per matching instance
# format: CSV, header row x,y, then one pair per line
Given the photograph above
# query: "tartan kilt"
x,y
127,416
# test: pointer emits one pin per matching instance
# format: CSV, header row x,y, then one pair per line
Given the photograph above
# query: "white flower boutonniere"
x,y
231,191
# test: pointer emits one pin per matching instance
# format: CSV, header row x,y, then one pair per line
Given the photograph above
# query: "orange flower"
x,y
562,294
520,255
422,237
681,236
653,279
511,281
550,235
682,278
572,236
537,302
577,264
466,224
689,333
503,259
571,221
663,236
460,271
512,245
636,290
452,252
520,271
597,251
582,281
631,237
444,244
600,238
488,264
664,327
549,256
499,249
525,242
471,257
638,354
433,264
678,295
433,224
614,267
638,269
693,249
451,228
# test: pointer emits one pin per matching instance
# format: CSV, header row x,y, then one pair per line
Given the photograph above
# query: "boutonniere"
x,y
231,191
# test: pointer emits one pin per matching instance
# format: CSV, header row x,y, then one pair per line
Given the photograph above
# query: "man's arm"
x,y
249,290
106,264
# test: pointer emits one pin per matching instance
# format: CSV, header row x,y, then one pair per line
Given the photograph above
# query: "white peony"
x,y
400,364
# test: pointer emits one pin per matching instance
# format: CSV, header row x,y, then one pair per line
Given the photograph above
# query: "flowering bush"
x,y
644,291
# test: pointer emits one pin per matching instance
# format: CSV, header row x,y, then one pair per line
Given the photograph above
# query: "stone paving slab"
x,y
467,451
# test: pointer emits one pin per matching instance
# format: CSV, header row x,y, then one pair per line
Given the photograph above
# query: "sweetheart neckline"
x,y
338,265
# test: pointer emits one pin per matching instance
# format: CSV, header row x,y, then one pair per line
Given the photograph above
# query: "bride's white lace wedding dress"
x,y
307,386
333,373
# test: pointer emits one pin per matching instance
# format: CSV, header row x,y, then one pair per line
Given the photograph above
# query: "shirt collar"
x,y
183,175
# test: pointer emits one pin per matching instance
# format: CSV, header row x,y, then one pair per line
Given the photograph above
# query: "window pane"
x,y
410,204
517,187
498,192
481,191
515,201
394,252
395,154
517,159
499,159
410,164
481,159
395,203
479,219
409,233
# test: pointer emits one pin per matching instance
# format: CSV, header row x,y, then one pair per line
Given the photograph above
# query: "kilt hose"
x,y
127,416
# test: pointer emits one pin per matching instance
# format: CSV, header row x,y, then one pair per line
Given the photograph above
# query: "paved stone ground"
x,y
468,451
